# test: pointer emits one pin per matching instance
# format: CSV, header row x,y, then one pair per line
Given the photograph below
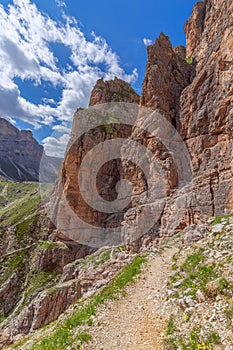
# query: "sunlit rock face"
x,y
191,89
71,204
206,117
115,90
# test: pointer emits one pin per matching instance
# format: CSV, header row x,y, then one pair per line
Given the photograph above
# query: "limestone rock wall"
x,y
193,91
206,117
20,153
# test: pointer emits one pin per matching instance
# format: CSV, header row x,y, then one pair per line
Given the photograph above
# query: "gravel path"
x,y
137,320
4,191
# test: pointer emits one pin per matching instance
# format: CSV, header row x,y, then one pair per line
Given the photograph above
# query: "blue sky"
x,y
52,52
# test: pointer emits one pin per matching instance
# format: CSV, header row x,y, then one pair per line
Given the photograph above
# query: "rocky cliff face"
x,y
115,90
206,109
167,74
195,97
20,153
194,28
108,175
192,91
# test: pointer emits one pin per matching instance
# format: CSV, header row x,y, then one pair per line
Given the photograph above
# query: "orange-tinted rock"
x,y
115,90
167,74
206,117
46,307
194,28
197,98
71,202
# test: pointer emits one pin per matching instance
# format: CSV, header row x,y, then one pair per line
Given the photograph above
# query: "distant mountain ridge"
x,y
21,154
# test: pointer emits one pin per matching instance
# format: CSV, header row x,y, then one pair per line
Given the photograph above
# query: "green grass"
x,y
96,259
194,274
48,245
13,263
193,260
41,279
171,328
103,258
218,219
15,214
62,337
23,228
3,202
222,285
20,212
193,341
189,60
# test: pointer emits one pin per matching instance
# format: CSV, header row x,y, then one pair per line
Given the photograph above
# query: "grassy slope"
x,y
72,332
21,200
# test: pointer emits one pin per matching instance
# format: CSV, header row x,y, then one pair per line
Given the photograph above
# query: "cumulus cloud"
x,y
147,42
26,38
56,146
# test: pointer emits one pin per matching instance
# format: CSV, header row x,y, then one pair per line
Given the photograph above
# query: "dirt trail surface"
x,y
4,191
137,320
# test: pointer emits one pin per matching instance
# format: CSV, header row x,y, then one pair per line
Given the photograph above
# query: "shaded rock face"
x,y
20,153
9,294
167,74
53,258
115,90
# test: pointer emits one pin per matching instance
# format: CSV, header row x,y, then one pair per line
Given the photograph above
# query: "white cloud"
x,y
60,3
55,147
25,52
147,42
48,101
62,128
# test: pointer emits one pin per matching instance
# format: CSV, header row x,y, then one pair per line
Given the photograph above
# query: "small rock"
x,y
189,301
211,220
200,296
217,228
176,284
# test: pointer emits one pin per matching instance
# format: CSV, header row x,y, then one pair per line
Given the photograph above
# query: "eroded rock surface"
x,y
206,110
195,94
115,90
20,153
71,203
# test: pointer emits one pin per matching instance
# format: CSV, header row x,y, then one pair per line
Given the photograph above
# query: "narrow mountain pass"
x,y
137,320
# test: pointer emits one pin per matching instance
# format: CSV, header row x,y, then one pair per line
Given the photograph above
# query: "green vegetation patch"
x,y
193,341
194,274
23,229
97,259
218,219
39,280
189,60
63,336
48,245
20,209
12,263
